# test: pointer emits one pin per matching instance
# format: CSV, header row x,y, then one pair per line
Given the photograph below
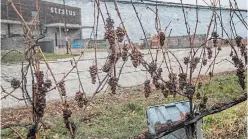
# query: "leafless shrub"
x,y
179,83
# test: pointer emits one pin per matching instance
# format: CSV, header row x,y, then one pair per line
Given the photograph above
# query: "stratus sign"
x,y
62,11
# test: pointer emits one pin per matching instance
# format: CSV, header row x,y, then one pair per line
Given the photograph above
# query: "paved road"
x,y
130,76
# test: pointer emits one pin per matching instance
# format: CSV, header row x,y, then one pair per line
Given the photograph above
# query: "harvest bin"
x,y
172,112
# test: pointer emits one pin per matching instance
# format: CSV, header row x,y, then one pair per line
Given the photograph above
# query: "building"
x,y
52,17
170,14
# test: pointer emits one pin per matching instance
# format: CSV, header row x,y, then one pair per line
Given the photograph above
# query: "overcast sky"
x,y
241,3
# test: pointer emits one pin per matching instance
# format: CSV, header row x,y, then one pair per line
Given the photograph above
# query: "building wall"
x,y
183,41
11,43
15,30
61,40
4,30
16,39
172,15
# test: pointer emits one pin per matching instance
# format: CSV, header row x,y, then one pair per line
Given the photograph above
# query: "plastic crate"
x,y
167,113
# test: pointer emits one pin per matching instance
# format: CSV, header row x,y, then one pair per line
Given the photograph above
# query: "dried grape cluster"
x,y
194,62
186,60
136,58
120,33
243,48
62,88
110,36
210,53
48,83
171,87
110,33
81,99
31,132
203,103
171,84
40,103
107,66
211,74
147,88
113,84
204,61
198,95
160,70
40,77
66,115
152,67
231,53
215,36
93,73
235,59
111,42
164,90
124,53
15,83
155,81
42,88
199,85
243,51
172,77
155,78
190,90
182,80
111,58
118,56
238,40
161,38
241,74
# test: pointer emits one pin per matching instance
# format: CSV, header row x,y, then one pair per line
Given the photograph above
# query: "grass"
x,y
51,56
123,115
230,124
16,57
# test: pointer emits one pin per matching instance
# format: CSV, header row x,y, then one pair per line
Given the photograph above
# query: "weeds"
x,y
124,116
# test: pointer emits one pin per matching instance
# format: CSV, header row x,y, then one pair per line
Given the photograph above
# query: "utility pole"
x,y
67,41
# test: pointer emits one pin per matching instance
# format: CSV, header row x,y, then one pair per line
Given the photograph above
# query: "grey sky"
x,y
241,3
